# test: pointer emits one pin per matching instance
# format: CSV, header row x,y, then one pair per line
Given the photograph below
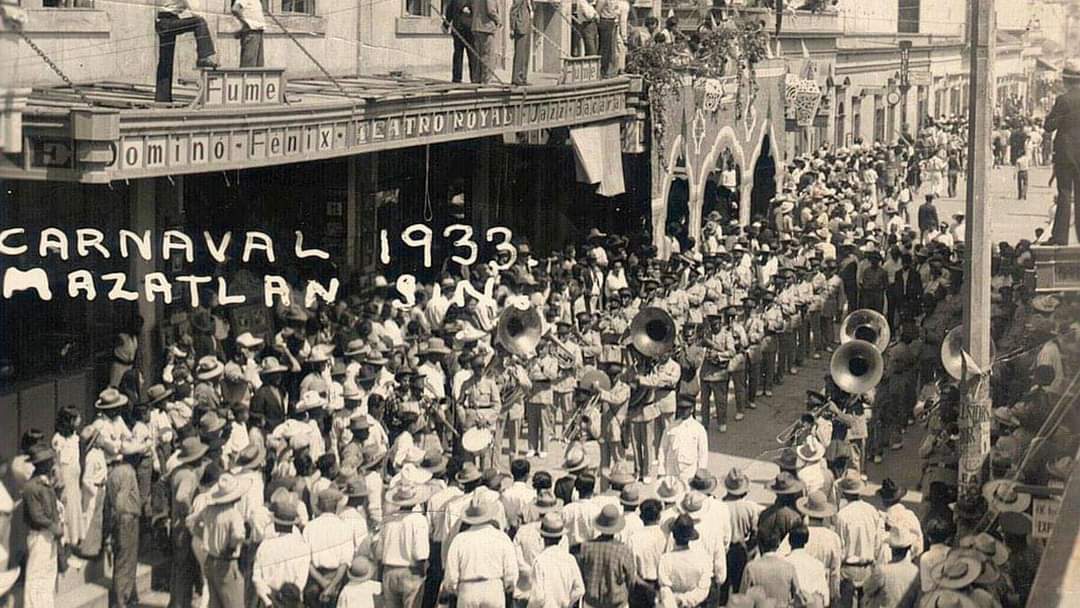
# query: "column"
x,y
481,202
145,196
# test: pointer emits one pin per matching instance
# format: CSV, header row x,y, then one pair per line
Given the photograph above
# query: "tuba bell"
x,y
954,357
856,367
652,332
866,325
518,330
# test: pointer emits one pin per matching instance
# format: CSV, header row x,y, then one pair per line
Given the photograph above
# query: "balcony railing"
x,y
796,22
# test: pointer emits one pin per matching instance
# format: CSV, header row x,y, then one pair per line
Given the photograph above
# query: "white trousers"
x,y
41,569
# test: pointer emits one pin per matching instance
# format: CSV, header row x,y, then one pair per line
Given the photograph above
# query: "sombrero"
x,y
110,399
816,504
1002,496
407,495
229,489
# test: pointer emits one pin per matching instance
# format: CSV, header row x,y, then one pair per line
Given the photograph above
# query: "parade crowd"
x,y
366,453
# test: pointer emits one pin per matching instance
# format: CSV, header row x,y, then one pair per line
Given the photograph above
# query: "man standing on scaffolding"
x,y
173,19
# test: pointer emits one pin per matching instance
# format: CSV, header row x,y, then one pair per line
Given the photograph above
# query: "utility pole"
x,y
975,407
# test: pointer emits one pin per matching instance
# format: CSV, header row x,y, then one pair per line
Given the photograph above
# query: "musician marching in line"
x,y
570,360
737,345
755,333
543,370
714,372
480,403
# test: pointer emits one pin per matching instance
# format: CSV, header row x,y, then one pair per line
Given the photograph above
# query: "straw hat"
x,y
890,491
546,502
211,423
479,511
271,365
786,483
229,489
947,598
356,487
851,483
110,399
694,505
434,461
411,473
991,548
468,473
956,572
618,475
811,450
191,449
361,569
285,510
670,489
574,458
157,393
407,495
251,458
609,520
209,368
1002,496
736,482
816,504
552,525
310,400
631,496
703,481
247,340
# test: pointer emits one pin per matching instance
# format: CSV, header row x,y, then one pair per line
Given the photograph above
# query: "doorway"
x,y
764,185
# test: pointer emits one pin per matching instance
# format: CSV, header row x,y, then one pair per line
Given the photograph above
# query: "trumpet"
x,y
793,430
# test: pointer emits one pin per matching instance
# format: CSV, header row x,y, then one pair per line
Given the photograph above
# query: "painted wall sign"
x,y
580,69
1043,515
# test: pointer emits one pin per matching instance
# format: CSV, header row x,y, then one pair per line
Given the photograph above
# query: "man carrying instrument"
x,y
770,346
570,361
613,412
480,403
543,370
755,334
737,345
714,373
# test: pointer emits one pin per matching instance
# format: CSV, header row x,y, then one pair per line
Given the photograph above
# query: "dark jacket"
x,y
459,14
928,217
486,17
907,294
267,402
40,510
1065,119
520,18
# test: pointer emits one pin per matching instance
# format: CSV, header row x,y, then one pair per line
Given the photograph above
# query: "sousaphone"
x,y
866,325
518,330
856,367
652,332
954,358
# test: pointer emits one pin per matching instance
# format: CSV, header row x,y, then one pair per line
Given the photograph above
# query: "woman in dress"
x,y
65,444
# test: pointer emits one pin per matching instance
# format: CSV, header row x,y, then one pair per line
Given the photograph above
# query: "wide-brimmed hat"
x,y
989,547
694,504
211,423
480,510
609,520
618,475
157,393
361,569
110,399
1002,496
357,346
411,473
41,453
284,508
476,439
209,368
248,340
434,461
468,473
251,458
191,449
816,504
552,525
788,460
956,571
356,486
890,491
574,459
786,483
736,482
408,495
434,346
703,481
372,456
670,489
631,496
811,450
850,483
271,365
359,423
229,489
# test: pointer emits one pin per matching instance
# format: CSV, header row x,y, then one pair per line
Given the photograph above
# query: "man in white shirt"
x,y
286,557
556,576
684,447
404,548
331,541
647,544
861,526
520,495
481,565
252,24
813,578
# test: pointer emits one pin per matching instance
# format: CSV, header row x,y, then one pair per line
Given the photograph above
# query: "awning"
x,y
598,150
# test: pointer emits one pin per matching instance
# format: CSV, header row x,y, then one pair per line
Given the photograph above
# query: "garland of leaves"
x,y
732,49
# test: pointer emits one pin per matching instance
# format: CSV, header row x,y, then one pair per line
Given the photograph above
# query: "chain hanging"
x,y
54,67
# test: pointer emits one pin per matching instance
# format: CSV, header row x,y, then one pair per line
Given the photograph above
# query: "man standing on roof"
x,y
486,22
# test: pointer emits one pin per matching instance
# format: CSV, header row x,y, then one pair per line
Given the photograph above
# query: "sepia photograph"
x,y
539,303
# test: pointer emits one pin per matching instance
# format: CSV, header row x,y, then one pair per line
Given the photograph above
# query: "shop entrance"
x,y
764,185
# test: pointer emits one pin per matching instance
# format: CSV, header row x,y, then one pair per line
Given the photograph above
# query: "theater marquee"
x,y
267,131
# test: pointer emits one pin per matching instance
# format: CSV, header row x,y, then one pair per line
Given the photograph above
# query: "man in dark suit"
x,y
906,292
928,216
1064,118
458,21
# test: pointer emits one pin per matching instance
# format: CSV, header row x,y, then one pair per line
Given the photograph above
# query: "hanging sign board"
x,y
1043,515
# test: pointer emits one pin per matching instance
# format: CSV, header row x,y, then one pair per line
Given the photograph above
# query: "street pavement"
x,y
1011,219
